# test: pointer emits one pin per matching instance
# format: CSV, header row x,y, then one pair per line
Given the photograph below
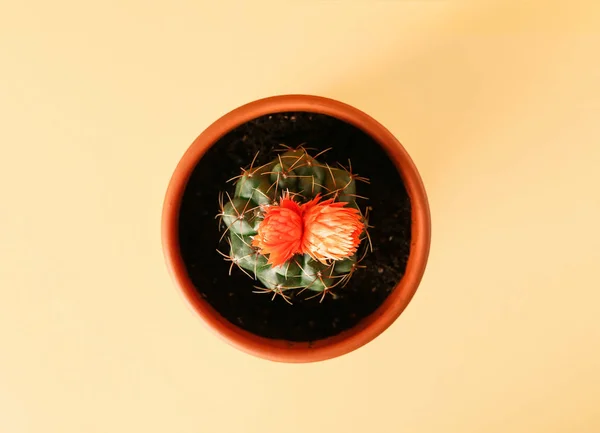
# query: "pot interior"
x,y
307,319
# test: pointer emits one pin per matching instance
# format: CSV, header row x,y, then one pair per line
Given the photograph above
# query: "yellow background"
x,y
497,102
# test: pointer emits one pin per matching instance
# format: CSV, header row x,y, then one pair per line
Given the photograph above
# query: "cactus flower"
x,y
280,232
324,230
331,230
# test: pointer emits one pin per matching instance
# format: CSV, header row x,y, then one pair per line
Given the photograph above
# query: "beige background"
x,y
499,105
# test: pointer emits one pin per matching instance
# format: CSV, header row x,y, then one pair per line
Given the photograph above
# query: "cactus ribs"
x,y
290,164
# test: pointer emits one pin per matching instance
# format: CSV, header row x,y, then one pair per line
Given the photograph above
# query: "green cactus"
x,y
297,173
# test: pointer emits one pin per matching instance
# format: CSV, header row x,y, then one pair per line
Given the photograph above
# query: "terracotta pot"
x,y
371,326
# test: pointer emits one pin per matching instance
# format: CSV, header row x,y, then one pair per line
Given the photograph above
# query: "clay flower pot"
x,y
368,327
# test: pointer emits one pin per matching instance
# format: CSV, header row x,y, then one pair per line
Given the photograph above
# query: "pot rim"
x,y
368,328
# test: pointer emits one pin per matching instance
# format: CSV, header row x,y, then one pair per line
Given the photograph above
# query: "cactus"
x,y
294,224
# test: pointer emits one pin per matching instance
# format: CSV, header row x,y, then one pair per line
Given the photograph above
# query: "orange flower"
x,y
280,233
325,231
331,231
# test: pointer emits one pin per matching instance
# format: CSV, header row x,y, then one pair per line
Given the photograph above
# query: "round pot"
x,y
371,326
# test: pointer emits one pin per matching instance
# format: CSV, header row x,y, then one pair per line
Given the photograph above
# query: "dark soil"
x,y
305,320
